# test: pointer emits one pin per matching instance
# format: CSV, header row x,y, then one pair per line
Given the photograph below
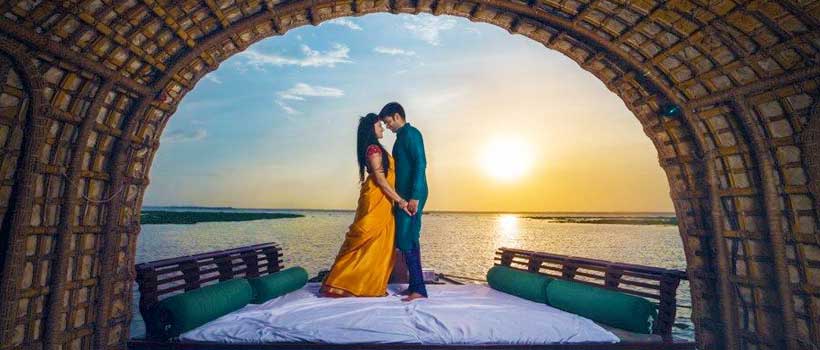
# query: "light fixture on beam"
x,y
670,110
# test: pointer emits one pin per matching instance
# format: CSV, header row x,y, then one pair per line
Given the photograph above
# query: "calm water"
x,y
453,243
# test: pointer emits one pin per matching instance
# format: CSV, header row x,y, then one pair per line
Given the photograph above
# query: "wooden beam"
x,y
19,211
769,177
158,10
59,51
55,308
112,232
218,12
586,10
223,21
108,32
755,87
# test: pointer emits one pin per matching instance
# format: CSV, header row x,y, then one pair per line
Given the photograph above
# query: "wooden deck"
x,y
159,279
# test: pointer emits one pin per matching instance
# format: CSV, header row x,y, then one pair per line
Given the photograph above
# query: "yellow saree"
x,y
365,260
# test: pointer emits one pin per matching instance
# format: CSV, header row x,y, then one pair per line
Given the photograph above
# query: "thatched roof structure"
x,y
88,86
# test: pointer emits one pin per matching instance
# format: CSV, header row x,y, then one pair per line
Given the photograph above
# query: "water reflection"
x,y
507,225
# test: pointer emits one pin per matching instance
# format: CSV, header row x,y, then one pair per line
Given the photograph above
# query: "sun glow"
x,y
506,159
507,225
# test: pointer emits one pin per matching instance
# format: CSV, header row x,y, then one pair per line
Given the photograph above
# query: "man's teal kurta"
x,y
411,183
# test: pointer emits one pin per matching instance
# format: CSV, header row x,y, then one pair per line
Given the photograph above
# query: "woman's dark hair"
x,y
365,137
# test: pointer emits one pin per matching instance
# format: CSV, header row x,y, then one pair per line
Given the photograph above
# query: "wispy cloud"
x,y
428,27
394,51
345,23
212,77
311,58
301,92
288,109
179,135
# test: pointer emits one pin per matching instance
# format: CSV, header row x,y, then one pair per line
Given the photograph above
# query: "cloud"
x,y
302,91
288,109
179,135
212,77
298,91
393,51
312,58
345,23
428,27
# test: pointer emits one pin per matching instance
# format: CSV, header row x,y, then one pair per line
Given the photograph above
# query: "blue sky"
x,y
274,126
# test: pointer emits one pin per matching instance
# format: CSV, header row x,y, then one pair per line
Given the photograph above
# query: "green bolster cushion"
x,y
276,284
616,309
183,312
527,285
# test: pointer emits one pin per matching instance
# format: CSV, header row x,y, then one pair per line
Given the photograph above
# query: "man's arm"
x,y
419,165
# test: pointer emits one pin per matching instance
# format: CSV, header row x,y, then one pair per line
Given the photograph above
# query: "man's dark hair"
x,y
391,109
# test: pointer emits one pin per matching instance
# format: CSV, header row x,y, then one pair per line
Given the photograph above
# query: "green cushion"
x,y
616,309
277,284
183,312
527,285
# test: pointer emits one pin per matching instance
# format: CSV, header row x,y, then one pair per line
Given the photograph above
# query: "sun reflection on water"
x,y
508,229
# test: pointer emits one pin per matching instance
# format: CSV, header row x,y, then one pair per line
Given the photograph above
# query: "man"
x,y
411,184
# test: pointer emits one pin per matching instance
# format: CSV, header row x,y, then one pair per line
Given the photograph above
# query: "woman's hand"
x,y
403,205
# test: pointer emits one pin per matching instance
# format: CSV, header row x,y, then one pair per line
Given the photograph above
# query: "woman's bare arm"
x,y
374,162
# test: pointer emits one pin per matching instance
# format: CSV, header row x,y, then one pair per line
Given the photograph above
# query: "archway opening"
x,y
472,88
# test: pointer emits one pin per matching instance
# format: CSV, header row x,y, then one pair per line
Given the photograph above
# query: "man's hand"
x,y
413,206
403,206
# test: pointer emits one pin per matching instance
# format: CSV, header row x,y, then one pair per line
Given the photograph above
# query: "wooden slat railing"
x,y
646,281
160,279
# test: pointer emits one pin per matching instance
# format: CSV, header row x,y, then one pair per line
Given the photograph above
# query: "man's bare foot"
x,y
414,296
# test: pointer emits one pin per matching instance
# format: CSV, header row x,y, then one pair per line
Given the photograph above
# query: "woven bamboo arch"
x,y
93,84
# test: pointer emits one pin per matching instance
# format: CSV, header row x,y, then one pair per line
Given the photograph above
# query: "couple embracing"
x,y
388,215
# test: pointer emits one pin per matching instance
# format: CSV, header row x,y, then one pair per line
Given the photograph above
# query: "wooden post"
x,y
534,265
272,253
252,263
190,272
506,258
225,267
667,307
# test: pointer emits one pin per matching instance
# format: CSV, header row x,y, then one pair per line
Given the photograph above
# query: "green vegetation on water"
x,y
655,220
191,217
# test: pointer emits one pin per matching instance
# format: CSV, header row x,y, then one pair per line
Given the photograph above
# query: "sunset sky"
x,y
508,124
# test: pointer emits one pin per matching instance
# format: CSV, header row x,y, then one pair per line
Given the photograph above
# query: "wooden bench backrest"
x,y
658,284
160,279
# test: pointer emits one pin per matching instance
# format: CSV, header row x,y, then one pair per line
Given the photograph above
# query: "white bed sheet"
x,y
467,314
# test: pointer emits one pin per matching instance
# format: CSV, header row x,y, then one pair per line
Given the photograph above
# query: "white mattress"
x,y
468,314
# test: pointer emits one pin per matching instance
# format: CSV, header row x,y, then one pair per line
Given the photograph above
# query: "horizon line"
x,y
426,211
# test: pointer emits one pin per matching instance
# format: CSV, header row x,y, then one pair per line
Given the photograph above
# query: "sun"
x,y
506,159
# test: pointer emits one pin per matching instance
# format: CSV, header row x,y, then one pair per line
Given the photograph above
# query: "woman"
x,y
365,259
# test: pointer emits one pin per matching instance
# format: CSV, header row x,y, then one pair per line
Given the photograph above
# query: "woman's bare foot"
x,y
323,293
330,295
414,296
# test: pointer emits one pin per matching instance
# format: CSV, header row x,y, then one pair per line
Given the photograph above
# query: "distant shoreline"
x,y
159,217
635,220
642,213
